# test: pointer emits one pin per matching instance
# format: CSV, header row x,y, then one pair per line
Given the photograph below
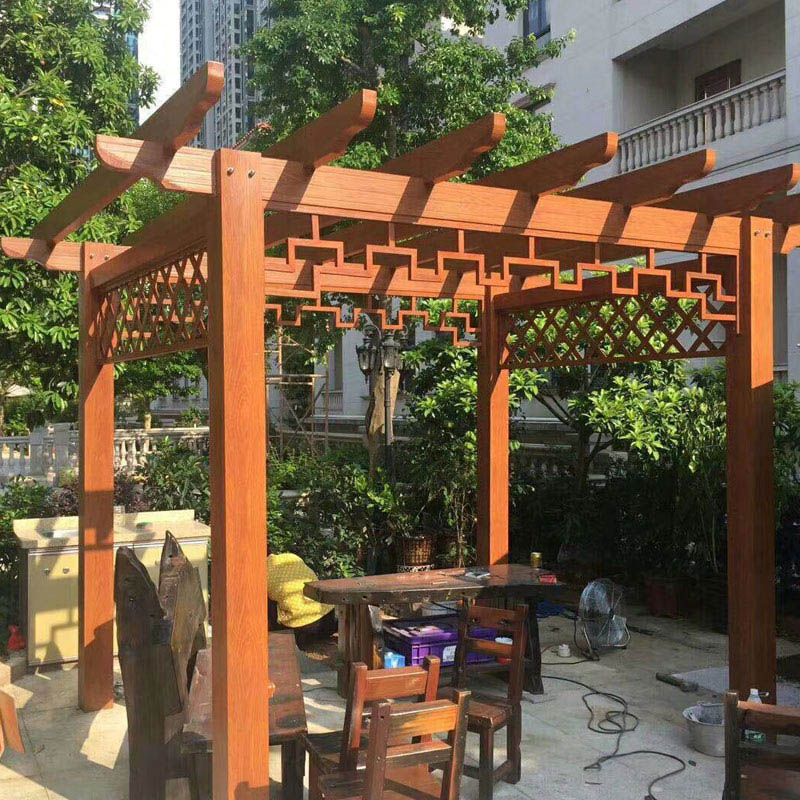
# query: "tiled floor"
x,y
75,756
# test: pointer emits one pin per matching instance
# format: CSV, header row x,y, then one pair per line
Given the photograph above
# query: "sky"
x,y
160,48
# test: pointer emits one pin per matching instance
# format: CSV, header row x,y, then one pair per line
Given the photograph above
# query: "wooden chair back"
x,y
370,686
393,722
158,634
10,736
760,771
509,623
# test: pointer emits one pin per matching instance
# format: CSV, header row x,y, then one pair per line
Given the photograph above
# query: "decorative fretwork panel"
x,y
163,310
615,329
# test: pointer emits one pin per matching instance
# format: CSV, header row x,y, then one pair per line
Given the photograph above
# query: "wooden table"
x,y
287,717
359,600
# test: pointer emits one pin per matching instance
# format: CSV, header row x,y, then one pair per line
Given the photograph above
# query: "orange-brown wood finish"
x,y
238,480
96,502
493,467
751,532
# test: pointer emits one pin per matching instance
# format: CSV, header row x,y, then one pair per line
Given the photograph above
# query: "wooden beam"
x,y
174,125
96,502
452,154
326,138
545,175
789,240
653,184
739,195
493,468
557,171
785,210
751,529
238,454
64,257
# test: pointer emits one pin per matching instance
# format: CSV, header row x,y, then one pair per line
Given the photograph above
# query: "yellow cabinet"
x,y
49,572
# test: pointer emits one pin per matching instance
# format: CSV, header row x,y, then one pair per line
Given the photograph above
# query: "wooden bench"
x,y
754,771
159,633
287,718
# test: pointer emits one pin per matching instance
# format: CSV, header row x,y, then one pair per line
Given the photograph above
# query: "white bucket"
x,y
706,728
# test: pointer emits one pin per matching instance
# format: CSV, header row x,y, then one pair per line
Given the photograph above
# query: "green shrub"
x,y
177,477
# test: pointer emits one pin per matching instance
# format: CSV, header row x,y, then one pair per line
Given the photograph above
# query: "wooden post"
x,y
96,502
237,398
492,438
751,529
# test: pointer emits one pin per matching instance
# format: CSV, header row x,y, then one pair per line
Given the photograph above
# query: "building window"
x,y
718,80
536,19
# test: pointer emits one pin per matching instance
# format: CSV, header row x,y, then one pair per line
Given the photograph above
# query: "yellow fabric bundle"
x,y
288,574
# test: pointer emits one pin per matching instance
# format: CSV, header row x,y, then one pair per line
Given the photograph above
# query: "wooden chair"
x,y
488,714
756,771
392,725
158,636
339,750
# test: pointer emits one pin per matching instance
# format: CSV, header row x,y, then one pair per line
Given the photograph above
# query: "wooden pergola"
x,y
521,245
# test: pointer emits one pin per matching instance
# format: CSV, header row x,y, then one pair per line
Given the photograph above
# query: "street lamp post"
x,y
374,353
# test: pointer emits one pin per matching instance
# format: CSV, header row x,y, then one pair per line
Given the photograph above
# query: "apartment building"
x,y
671,76
215,30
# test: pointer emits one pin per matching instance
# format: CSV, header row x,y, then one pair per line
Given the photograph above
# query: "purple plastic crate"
x,y
431,636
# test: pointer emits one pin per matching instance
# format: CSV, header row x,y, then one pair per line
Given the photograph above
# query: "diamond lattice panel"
x,y
161,311
617,329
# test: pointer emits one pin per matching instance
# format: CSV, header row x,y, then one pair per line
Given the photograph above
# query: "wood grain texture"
x,y
173,125
326,138
10,735
64,257
557,171
96,502
238,480
739,195
493,465
652,184
751,539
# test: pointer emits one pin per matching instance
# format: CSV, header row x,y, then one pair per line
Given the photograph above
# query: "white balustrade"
x,y
46,453
741,108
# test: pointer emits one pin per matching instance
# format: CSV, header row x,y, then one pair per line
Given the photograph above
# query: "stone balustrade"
x,y
746,106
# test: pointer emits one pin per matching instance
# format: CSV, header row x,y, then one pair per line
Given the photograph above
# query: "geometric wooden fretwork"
x,y
617,329
163,310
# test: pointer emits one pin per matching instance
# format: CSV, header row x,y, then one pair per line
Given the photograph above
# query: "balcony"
x,y
744,107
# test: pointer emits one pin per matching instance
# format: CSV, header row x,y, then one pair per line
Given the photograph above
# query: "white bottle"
x,y
755,736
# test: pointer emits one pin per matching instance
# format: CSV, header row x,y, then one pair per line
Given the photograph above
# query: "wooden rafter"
x,y
738,195
541,176
652,184
64,257
174,125
785,210
437,161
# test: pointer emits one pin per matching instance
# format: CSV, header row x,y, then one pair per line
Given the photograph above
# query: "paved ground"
x,y
74,756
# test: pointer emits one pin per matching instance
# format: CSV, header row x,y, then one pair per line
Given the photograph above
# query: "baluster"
x,y
718,130
130,461
667,126
737,113
747,111
755,94
683,144
691,132
636,151
623,156
119,454
728,109
659,137
774,98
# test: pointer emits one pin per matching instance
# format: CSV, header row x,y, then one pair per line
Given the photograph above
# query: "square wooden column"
x,y
238,440
751,528
492,437
96,501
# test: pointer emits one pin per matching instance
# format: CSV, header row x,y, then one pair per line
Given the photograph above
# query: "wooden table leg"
x,y
360,639
533,665
293,769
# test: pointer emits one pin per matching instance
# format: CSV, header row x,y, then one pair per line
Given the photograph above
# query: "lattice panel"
x,y
163,310
618,329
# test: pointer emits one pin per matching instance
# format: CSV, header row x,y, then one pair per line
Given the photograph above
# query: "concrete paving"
x,y
75,756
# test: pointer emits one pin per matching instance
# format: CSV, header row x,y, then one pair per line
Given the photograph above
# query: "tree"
x,y
65,75
430,70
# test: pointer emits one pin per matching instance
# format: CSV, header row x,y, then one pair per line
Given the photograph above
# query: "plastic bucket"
x,y
706,728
